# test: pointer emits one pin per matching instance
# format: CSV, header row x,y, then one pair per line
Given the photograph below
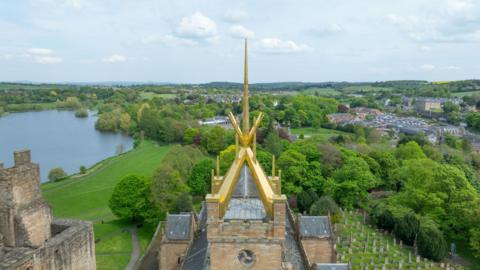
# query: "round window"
x,y
247,257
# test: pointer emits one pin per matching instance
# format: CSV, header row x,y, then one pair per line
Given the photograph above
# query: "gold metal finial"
x,y
246,114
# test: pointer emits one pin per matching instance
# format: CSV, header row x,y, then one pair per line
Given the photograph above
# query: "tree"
x,y
407,228
189,135
305,199
124,122
183,203
81,113
273,143
410,150
56,174
324,206
83,170
293,165
352,183
431,243
475,241
167,186
215,140
388,163
199,178
130,198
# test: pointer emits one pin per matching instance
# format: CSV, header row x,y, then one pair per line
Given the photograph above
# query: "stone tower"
x,y
246,211
30,238
25,215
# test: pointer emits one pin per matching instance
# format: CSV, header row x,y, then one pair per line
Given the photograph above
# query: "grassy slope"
x,y
320,132
87,198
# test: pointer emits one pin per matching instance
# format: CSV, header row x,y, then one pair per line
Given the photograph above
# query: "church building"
x,y
245,222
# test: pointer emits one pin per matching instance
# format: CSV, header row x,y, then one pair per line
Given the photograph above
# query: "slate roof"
x,y
245,187
178,226
330,266
245,209
314,226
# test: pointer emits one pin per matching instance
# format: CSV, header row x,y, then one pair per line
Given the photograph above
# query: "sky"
x,y
199,41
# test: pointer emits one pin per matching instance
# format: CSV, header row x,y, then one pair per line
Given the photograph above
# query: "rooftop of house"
x,y
314,226
178,226
330,266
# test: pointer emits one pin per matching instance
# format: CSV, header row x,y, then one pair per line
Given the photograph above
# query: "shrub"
x,y
81,113
83,169
431,243
56,174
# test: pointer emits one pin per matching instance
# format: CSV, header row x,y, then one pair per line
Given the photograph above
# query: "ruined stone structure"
x,y
30,238
245,222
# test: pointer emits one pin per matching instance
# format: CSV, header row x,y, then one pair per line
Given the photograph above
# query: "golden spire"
x,y
246,120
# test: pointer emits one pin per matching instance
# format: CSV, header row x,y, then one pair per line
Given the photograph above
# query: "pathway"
x,y
135,251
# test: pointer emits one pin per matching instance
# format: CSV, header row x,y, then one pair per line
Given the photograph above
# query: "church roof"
x,y
178,226
314,226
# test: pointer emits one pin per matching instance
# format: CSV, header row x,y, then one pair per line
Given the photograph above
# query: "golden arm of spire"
x,y
236,127
258,120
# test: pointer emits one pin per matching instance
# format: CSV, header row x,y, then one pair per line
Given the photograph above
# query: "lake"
x,y
58,139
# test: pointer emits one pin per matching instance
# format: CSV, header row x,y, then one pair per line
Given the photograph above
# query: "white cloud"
x,y
39,51
449,21
239,31
196,26
430,67
276,45
427,67
115,58
235,15
425,48
48,60
327,30
175,41
458,5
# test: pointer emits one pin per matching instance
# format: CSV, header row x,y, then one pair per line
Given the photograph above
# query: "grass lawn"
x,y
318,132
87,198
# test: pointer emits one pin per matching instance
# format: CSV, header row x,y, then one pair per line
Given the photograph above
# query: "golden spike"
x,y
213,183
246,115
236,145
273,167
218,167
279,185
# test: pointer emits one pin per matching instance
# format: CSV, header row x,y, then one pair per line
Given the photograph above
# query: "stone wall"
x,y
225,255
172,253
318,250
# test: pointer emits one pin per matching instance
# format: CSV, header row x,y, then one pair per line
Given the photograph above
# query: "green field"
x,y
365,88
318,132
462,94
322,91
87,198
150,95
